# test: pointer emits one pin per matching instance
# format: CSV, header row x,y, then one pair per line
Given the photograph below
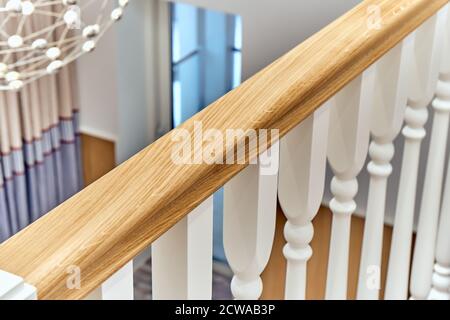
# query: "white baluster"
x,y
182,258
424,73
250,201
13,287
303,155
441,276
424,251
387,118
347,151
120,286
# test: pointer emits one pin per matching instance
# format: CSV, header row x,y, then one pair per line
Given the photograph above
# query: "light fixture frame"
x,y
27,54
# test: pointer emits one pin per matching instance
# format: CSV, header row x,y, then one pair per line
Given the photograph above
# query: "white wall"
x,y
97,82
135,65
117,92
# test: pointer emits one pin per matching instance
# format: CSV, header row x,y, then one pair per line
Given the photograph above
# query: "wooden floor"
x,y
274,275
98,157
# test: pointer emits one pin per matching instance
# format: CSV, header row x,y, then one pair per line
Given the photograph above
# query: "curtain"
x,y
40,163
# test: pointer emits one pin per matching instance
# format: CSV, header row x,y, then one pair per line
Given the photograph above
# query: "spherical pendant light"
x,y
39,37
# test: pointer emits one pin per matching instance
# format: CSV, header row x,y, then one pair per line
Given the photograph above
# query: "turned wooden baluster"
x,y
182,258
387,119
303,154
424,73
347,150
250,201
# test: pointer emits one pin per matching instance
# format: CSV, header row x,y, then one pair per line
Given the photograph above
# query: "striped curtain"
x,y
40,164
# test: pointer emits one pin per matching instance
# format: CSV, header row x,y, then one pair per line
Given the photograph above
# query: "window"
x,y
206,58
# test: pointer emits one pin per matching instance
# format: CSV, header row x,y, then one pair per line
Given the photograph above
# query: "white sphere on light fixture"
x,y
41,37
71,17
12,76
116,14
123,3
3,69
39,44
15,85
88,46
15,41
14,6
27,8
54,66
53,53
91,31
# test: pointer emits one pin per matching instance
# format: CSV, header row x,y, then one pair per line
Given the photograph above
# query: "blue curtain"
x,y
40,162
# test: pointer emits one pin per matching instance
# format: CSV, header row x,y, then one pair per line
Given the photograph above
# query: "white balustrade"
x,y
13,287
182,258
347,150
387,119
424,70
300,189
250,202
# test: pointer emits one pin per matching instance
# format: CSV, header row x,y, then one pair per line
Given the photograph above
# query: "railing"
x,y
363,75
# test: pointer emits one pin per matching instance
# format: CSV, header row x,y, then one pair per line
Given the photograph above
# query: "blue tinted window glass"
x,y
184,31
237,69
186,91
238,33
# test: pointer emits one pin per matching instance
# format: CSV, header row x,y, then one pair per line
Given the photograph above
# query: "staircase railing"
x,y
363,75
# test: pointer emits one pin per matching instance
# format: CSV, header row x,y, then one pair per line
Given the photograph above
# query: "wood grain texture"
x,y
274,275
111,221
98,157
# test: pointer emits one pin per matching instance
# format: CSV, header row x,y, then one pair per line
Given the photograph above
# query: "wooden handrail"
x,y
110,222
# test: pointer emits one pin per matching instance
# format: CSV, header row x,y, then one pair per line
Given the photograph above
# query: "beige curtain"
x,y
40,162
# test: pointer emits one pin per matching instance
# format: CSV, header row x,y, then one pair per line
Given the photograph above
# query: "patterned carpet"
x,y
221,282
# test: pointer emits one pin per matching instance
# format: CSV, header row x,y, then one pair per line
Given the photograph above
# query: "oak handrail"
x,y
110,222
